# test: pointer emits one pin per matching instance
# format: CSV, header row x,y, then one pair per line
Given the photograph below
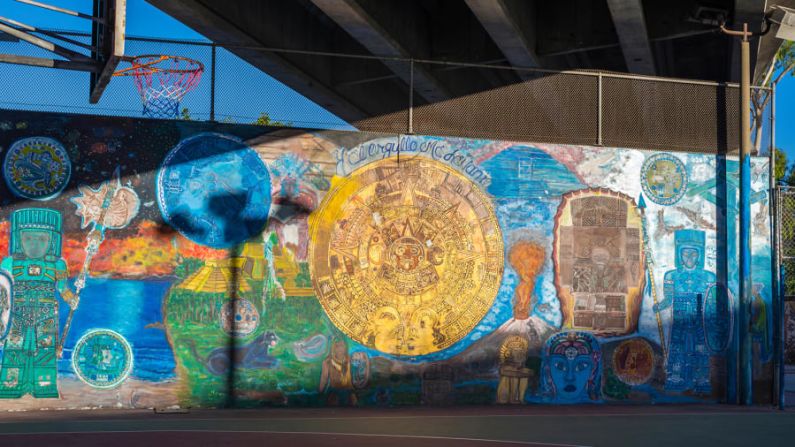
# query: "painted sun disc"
x,y
407,258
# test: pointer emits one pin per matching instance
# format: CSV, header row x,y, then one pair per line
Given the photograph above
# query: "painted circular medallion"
x,y
239,317
102,358
407,258
215,190
37,168
664,178
633,361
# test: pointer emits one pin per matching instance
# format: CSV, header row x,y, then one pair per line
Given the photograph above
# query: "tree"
x,y
760,98
265,120
185,114
781,168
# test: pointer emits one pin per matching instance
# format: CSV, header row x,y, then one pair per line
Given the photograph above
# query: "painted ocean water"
x,y
127,307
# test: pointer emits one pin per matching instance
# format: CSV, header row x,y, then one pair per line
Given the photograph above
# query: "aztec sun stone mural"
x,y
406,258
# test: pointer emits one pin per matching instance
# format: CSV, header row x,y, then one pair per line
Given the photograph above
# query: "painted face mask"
x,y
690,246
571,372
35,243
407,253
571,367
689,257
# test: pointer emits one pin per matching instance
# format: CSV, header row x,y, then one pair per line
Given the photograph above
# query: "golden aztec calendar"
x,y
406,258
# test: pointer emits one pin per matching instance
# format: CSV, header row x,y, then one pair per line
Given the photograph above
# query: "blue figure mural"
x,y
571,368
39,274
685,288
718,318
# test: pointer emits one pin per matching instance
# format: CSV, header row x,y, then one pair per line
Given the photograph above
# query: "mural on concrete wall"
x,y
406,259
572,368
598,261
158,264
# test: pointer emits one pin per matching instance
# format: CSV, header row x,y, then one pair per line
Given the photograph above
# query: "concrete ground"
x,y
660,425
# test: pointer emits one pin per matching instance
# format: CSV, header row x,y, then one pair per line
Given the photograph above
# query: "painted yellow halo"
x,y
406,258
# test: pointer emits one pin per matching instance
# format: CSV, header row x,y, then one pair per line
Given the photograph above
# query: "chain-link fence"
x,y
387,94
786,251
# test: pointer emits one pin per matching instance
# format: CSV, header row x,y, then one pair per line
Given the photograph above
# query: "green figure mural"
x,y
38,271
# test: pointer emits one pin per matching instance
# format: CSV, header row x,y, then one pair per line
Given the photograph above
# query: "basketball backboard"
x,y
99,57
107,40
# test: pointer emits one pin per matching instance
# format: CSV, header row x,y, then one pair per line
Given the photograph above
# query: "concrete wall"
x,y
202,265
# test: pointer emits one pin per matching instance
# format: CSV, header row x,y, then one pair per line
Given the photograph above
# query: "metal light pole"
x,y
776,237
745,388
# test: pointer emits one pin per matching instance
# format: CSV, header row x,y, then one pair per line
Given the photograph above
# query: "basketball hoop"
x,y
163,81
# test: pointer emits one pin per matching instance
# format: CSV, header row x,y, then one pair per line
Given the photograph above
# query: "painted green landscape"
x,y
196,316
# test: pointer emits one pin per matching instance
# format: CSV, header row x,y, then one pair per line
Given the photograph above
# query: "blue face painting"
x,y
570,373
689,257
572,368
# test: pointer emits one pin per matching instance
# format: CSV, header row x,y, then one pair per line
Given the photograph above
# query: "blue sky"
x,y
242,91
785,116
240,101
143,19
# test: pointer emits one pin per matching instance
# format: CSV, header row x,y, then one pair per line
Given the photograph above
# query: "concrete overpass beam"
x,y
208,22
630,24
500,19
351,17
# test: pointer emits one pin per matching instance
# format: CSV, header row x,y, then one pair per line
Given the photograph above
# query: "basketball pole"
x,y
745,372
746,280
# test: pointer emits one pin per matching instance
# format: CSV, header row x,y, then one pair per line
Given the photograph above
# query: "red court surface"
x,y
660,425
212,439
